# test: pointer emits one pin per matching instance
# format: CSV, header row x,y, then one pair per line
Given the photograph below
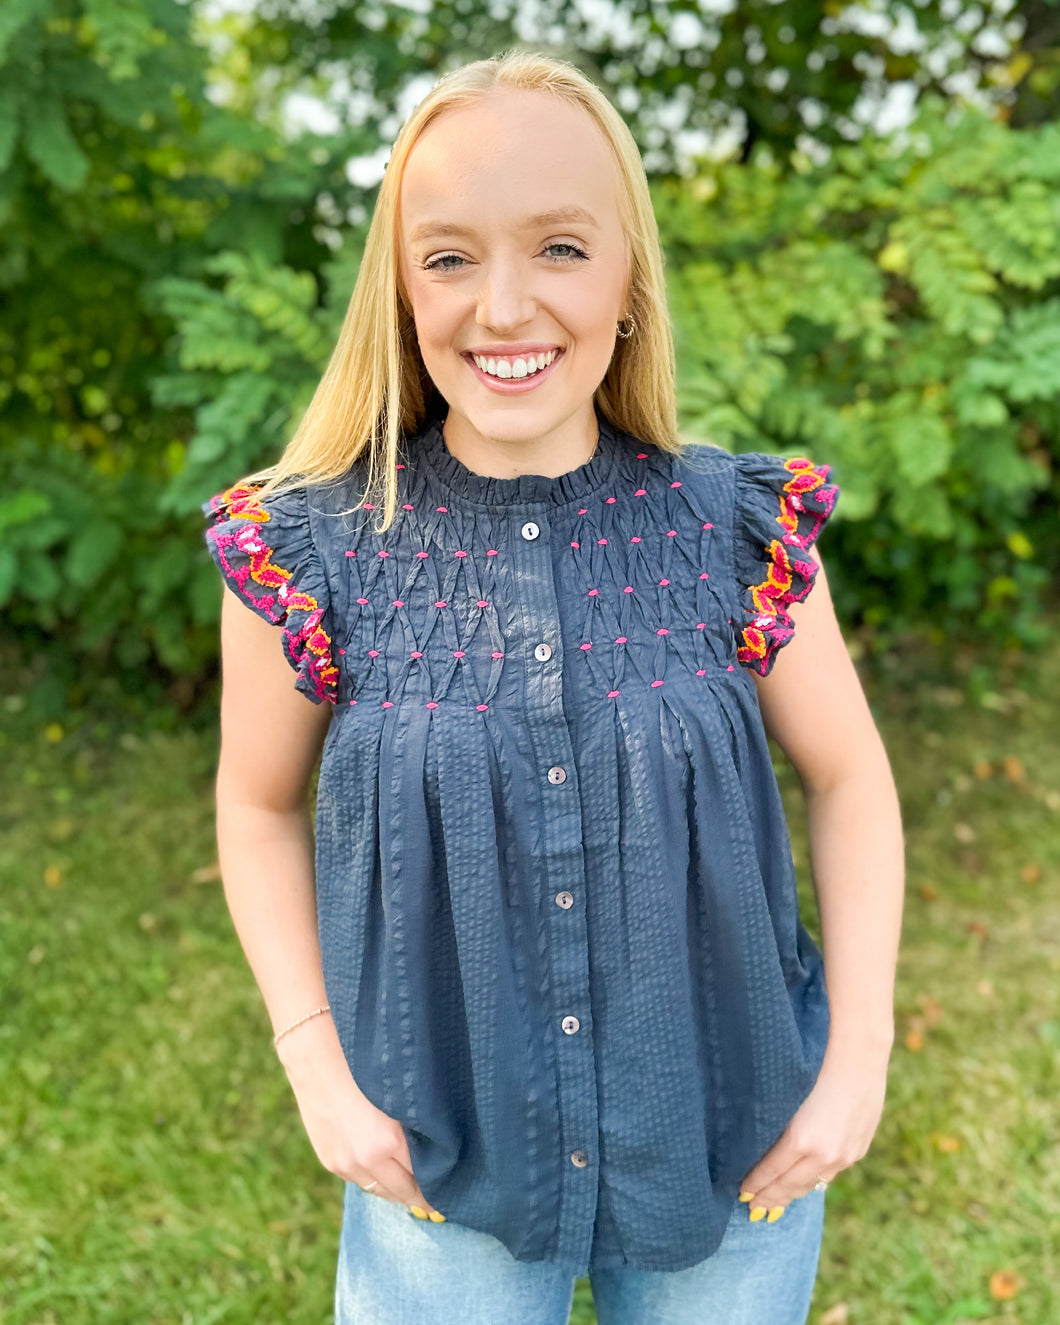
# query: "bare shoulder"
x,y
812,702
271,734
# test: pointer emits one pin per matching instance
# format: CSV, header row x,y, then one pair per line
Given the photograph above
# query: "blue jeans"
x,y
395,1269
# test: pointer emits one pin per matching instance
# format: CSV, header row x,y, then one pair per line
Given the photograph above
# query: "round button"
x,y
579,1159
530,531
570,1024
543,652
565,900
556,775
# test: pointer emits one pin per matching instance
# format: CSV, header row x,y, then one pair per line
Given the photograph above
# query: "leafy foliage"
x,y
132,205
895,312
757,71
177,260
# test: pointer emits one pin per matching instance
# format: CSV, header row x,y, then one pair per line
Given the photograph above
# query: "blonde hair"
x,y
376,387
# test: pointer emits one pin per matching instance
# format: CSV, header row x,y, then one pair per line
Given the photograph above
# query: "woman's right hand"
x,y
351,1137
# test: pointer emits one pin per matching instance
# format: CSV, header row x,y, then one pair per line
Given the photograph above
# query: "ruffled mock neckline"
x,y
526,489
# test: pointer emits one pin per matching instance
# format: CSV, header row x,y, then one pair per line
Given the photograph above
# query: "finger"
x,y
417,1202
376,1182
772,1166
770,1202
372,1186
399,1179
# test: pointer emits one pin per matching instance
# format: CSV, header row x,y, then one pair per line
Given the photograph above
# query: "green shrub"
x,y
175,270
894,312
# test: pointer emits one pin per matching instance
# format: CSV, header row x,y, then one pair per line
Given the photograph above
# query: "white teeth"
x,y
515,368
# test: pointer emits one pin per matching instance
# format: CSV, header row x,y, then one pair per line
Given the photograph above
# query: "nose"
x,y
505,299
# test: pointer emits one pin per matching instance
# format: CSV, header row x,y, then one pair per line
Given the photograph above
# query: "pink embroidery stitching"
x,y
309,646
788,579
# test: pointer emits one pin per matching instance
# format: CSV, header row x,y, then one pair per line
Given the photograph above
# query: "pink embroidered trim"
x,y
309,646
788,579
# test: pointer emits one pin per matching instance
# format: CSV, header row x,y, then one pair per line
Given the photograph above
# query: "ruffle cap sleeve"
x,y
781,506
266,554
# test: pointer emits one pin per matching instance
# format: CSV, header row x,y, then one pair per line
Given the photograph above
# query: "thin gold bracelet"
x,y
315,1013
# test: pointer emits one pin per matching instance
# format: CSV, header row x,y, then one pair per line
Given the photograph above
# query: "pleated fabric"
x,y
556,896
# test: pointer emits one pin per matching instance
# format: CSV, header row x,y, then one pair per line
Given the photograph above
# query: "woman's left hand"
x,y
832,1129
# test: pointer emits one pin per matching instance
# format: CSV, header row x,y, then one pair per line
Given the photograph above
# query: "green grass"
x,y
154,1168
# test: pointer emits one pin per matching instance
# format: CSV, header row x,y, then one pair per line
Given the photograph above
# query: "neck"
x,y
565,448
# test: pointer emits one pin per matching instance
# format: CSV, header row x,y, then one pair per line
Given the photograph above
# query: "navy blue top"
x,y
556,897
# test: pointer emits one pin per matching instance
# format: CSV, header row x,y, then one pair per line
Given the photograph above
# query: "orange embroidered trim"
x,y
309,647
240,500
807,495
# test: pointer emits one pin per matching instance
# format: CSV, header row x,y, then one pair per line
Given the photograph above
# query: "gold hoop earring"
x,y
625,335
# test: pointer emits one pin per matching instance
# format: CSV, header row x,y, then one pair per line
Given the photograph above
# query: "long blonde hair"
x,y
376,388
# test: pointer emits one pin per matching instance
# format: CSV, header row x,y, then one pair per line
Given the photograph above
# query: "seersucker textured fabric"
x,y
555,890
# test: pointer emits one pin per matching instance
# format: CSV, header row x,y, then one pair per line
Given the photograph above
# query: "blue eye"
x,y
453,261
576,254
437,262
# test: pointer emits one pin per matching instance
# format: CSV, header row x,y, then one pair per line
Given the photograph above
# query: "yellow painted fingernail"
x,y
415,1210
758,1212
436,1216
747,1196
774,1214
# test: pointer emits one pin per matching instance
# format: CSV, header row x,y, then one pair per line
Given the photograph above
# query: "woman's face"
x,y
512,249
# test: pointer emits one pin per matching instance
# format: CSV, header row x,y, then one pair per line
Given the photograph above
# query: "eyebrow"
x,y
430,229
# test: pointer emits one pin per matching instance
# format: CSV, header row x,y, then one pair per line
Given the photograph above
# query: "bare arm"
x,y
271,740
813,705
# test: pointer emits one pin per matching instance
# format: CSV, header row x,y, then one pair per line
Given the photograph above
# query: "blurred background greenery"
x,y
860,208
153,1165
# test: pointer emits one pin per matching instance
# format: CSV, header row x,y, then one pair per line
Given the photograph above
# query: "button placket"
x,y
562,871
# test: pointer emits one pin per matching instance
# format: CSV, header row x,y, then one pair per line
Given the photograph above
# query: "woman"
x,y
547,1005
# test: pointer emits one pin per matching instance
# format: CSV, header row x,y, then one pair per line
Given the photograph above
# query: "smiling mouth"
x,y
523,378
513,367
